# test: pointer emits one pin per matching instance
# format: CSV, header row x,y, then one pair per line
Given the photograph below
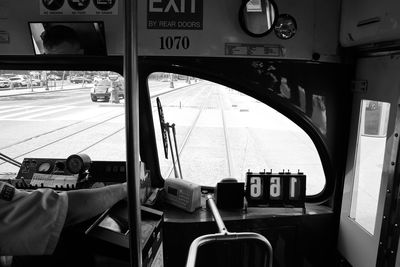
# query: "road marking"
x,y
28,110
6,107
14,108
32,113
90,114
55,110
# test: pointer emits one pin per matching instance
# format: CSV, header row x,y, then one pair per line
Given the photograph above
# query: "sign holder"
x,y
282,189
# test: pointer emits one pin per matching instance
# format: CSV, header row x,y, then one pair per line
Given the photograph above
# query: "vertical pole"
x,y
132,130
171,83
62,80
84,79
30,82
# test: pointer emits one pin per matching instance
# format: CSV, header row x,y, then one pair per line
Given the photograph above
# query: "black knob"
x,y
316,56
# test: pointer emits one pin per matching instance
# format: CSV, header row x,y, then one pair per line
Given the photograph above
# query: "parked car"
x,y
54,77
102,90
4,83
35,82
18,81
80,80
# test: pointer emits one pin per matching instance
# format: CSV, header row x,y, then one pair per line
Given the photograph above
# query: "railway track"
x,y
211,101
64,137
199,97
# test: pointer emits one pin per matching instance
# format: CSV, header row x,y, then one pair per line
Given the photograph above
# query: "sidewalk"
x,y
35,90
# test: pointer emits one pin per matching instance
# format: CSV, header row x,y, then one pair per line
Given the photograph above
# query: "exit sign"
x,y
175,14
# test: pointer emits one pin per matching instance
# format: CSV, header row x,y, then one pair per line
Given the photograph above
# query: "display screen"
x,y
172,191
68,38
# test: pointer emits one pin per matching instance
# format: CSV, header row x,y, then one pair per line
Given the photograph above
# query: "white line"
x,y
14,109
23,119
78,103
28,110
89,114
92,115
39,114
6,107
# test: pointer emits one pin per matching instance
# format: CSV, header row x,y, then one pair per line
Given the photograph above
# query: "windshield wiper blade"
x,y
10,160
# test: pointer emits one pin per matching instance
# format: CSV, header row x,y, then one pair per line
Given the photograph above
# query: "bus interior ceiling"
x,y
284,111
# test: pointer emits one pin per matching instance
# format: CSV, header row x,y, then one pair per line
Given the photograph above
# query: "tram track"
x,y
63,138
80,131
188,134
64,127
226,137
101,140
98,124
206,105
53,131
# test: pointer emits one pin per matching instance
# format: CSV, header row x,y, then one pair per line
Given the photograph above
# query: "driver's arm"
x,y
86,203
31,223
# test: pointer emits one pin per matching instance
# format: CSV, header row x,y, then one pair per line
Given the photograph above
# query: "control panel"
x,y
76,171
46,172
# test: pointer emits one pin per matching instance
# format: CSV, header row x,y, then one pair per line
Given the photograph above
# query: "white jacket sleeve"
x,y
30,222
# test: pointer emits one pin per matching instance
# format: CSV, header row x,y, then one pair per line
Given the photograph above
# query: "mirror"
x,y
257,17
68,38
285,27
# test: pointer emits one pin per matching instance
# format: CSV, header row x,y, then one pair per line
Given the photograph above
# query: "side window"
x,y
223,133
371,144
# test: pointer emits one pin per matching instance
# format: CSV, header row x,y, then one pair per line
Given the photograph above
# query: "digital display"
x,y
68,38
172,191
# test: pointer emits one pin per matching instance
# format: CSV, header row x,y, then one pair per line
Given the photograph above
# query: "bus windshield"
x,y
54,114
223,133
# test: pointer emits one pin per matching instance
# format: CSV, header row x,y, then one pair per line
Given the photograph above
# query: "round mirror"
x,y
257,17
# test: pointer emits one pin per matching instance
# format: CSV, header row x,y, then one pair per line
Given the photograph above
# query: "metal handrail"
x,y
224,236
217,217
